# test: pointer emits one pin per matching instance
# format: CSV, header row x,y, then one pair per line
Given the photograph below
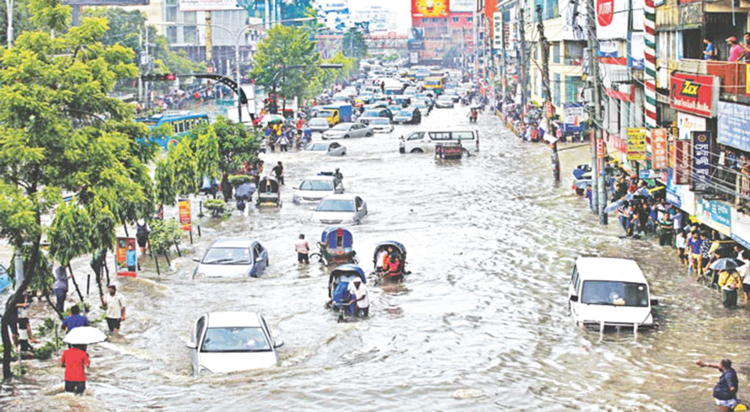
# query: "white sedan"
x,y
330,149
381,125
315,188
347,130
337,209
224,342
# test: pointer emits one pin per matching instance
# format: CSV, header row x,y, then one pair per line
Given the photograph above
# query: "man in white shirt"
x,y
303,249
359,296
115,304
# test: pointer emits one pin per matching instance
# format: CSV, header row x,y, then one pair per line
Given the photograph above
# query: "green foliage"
x,y
237,145
165,192
69,233
207,154
164,234
185,168
285,47
237,180
47,326
216,207
45,351
353,44
102,225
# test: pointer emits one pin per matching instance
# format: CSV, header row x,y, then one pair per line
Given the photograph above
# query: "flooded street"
x,y
480,324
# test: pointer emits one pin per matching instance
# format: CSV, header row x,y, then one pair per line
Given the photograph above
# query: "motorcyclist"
x,y
473,115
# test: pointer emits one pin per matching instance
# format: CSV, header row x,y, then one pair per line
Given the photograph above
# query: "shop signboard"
x,y
733,126
208,5
574,113
185,217
686,123
740,227
701,170
682,161
714,214
430,8
123,247
611,19
636,143
659,149
694,94
680,196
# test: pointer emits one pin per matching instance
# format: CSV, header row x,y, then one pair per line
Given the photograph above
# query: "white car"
x,y
381,125
327,148
315,188
606,292
224,342
318,124
347,130
444,102
232,257
337,209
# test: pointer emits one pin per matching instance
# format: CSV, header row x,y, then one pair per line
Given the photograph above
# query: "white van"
x,y
607,292
421,142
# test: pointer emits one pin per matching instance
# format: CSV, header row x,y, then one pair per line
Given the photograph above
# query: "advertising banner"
x,y
185,220
126,258
636,143
693,93
637,50
430,8
682,161
208,5
609,48
574,113
714,214
680,196
611,19
701,172
733,126
659,149
686,123
462,6
740,228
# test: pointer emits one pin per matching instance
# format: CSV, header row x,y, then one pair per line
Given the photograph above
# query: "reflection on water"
x,y
480,324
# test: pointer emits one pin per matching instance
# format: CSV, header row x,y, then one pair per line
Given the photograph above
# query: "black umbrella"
x,y
726,264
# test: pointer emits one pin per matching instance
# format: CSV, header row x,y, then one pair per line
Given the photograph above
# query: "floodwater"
x,y
481,323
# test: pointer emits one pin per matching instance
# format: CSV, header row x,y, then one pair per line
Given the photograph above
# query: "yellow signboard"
x,y
636,143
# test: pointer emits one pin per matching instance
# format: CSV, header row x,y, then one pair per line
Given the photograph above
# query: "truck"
x,y
336,113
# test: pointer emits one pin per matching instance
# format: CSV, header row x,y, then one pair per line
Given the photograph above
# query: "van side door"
x,y
574,290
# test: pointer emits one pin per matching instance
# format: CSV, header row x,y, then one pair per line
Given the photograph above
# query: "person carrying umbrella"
x,y
729,282
75,360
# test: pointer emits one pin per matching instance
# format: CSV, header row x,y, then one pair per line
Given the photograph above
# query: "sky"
x,y
401,7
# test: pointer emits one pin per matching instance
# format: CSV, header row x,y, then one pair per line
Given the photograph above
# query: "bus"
x,y
436,84
181,123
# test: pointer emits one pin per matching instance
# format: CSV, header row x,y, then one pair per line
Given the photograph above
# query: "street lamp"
x,y
236,48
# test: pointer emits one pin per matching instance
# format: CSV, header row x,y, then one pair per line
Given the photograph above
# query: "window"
x,y
172,34
190,35
456,19
556,90
416,136
463,135
597,292
572,86
435,20
469,19
440,136
171,14
199,328
257,250
425,20
555,50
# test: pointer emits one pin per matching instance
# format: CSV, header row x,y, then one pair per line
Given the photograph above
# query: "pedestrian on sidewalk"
x,y
115,304
75,360
729,282
725,391
303,249
74,320
25,334
60,287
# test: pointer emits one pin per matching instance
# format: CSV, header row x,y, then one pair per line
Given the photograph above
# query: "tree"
x,y
294,9
281,49
165,192
60,132
353,44
207,153
237,147
185,168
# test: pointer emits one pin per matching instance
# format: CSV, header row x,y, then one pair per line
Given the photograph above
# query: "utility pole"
x,y
522,75
267,13
503,78
599,190
547,95
149,85
209,42
9,14
140,67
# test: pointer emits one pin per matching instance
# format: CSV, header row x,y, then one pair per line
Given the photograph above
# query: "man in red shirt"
x,y
75,360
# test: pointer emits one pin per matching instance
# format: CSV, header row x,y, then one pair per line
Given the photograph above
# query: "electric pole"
x,y
522,76
502,56
548,95
599,189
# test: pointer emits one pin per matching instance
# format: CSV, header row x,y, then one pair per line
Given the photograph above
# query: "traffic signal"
x,y
158,77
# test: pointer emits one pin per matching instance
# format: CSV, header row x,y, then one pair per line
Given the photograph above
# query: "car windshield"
x,y
370,113
382,121
596,292
227,256
317,185
335,205
318,122
444,98
317,147
341,126
405,113
241,339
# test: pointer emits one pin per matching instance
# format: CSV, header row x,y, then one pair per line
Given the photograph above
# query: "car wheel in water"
x,y
346,136
368,135
417,150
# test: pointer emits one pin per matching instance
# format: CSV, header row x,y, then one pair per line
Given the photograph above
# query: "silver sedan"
x,y
347,130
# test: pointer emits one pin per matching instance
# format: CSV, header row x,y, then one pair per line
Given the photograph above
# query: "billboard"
x,y
126,258
734,125
611,19
429,8
701,181
694,94
106,2
659,158
208,5
463,6
636,143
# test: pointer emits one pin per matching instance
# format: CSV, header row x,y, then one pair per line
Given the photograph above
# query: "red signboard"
x,y
659,149
693,93
600,152
682,161
185,217
605,12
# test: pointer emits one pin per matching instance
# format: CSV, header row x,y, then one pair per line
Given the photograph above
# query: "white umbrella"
x,y
84,335
268,118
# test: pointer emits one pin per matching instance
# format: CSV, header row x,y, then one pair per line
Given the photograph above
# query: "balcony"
x,y
732,75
